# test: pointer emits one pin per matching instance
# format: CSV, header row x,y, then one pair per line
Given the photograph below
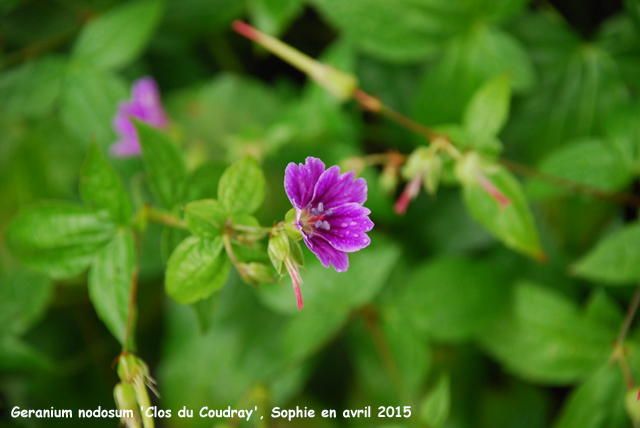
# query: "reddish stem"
x,y
245,30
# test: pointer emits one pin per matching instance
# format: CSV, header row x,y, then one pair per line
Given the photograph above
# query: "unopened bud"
x,y
256,273
125,397
290,225
279,246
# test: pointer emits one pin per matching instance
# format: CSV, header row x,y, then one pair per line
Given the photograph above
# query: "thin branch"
x,y
132,308
619,349
572,186
164,217
631,313
374,105
133,293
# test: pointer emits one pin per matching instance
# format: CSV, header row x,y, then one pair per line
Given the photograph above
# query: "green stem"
x,y
226,238
159,215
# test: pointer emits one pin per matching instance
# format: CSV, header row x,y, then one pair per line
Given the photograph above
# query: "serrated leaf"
x,y
512,224
117,37
615,260
101,187
452,299
241,187
434,410
488,111
196,269
205,218
58,239
163,162
110,282
548,339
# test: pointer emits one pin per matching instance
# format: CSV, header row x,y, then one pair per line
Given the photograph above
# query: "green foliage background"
x,y
436,314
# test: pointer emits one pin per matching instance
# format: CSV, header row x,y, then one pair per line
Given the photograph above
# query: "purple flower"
x,y
329,210
146,106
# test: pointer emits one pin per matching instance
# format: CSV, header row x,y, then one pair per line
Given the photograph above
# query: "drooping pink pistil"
x,y
408,194
294,273
493,191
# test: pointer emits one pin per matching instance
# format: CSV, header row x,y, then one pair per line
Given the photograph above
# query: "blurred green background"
x,y
436,314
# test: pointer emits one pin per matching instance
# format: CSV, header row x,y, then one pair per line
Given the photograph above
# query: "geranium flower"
x,y
146,106
329,210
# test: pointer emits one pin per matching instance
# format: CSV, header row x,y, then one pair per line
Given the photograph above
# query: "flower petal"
x,y
327,254
300,181
146,98
126,148
348,226
334,189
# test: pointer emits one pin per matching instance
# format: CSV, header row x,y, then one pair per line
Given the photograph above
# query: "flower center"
x,y
313,218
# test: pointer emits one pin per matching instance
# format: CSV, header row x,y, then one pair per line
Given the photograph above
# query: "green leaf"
x,y
603,310
465,64
580,90
408,30
110,282
589,162
241,187
101,187
59,239
88,103
488,111
434,410
196,269
163,163
513,224
24,296
205,218
615,260
453,299
594,403
548,339
117,37
33,88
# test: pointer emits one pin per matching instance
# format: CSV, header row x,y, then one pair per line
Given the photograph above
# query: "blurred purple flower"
x,y
146,106
329,210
